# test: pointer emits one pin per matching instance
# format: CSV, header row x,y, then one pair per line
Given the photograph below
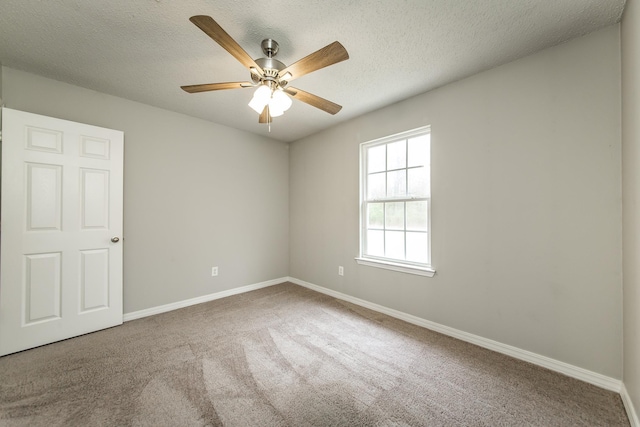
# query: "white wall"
x,y
526,186
630,39
197,194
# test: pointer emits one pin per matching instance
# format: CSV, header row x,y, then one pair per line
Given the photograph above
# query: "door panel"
x,y
95,147
44,197
43,139
61,275
95,279
95,198
42,287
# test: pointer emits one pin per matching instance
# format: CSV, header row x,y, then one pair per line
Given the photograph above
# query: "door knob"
x,y
115,239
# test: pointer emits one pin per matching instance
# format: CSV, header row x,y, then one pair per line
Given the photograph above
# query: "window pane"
x,y
375,243
397,183
394,216
417,219
419,148
376,157
394,244
396,155
375,215
418,247
376,186
418,182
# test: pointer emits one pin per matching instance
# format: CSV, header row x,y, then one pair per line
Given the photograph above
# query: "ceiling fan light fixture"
x,y
280,101
260,99
270,76
275,111
256,105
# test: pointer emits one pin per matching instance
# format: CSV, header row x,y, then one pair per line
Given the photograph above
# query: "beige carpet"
x,y
286,356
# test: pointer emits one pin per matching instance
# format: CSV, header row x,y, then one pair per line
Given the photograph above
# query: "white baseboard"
x,y
546,362
628,405
205,298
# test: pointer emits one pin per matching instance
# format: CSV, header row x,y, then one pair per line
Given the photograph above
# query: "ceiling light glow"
x,y
278,101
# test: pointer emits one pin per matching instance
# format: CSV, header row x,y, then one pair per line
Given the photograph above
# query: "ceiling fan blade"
x,y
328,55
215,31
215,86
313,100
265,117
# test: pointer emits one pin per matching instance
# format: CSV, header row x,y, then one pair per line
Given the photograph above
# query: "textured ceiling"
x,y
144,50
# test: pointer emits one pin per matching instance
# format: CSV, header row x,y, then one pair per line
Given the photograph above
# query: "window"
x,y
395,202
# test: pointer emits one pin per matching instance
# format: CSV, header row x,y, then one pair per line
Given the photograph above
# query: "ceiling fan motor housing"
x,y
271,68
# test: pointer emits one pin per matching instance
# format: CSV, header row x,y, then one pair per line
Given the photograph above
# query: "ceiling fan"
x,y
270,76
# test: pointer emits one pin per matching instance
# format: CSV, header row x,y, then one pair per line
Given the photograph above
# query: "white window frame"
x,y
422,269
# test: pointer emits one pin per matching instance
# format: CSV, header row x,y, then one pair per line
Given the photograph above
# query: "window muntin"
x,y
396,199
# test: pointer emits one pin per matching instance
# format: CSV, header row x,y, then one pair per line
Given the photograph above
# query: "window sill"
x,y
410,269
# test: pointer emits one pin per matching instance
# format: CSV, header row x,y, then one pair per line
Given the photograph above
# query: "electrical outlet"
x,y
340,270
214,271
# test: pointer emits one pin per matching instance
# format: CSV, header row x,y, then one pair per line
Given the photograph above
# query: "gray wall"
x,y
630,35
526,190
526,186
197,194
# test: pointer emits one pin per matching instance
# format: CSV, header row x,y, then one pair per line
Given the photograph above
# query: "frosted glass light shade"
x,y
274,111
260,99
280,101
256,105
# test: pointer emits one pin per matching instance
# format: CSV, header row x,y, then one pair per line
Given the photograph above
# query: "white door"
x,y
61,230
